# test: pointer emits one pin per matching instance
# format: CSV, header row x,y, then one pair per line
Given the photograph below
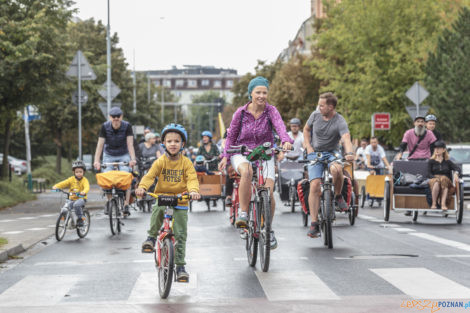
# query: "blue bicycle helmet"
x,y
200,159
431,117
206,133
177,128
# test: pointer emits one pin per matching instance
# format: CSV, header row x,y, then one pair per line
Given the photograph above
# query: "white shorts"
x,y
268,166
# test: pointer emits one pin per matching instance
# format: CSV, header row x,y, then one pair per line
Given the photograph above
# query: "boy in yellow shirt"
x,y
176,175
76,183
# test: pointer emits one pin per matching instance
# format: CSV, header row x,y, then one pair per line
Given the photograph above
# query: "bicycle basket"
x,y
164,200
119,179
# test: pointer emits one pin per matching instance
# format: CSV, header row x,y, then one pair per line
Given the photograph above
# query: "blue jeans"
x,y
316,171
78,206
120,158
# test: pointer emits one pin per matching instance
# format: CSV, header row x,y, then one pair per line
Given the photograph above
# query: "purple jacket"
x,y
253,133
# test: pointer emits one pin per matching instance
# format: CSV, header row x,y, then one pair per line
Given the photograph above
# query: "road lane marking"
x,y
38,290
366,217
5,221
145,290
36,228
47,215
14,232
452,255
389,225
447,242
294,285
27,218
422,283
404,230
287,258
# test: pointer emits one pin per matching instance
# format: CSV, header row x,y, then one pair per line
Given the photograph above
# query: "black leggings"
x,y
229,186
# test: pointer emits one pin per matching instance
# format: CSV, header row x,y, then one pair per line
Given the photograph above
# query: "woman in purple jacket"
x,y
252,125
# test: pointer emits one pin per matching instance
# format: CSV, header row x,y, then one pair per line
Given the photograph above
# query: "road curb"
x,y
11,252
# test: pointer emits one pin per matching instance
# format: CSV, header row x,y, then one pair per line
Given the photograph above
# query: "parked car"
x,y
19,166
460,153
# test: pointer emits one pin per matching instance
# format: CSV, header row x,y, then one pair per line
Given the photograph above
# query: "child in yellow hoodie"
x,y
176,175
76,184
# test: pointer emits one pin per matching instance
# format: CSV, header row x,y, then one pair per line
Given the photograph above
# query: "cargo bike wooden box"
x,y
404,199
211,188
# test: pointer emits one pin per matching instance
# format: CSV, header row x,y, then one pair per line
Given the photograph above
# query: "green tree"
x,y
448,79
204,117
32,55
370,52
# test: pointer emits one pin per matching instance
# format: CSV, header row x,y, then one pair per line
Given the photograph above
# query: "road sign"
x,y
423,110
114,91
83,99
33,113
417,93
138,129
104,107
86,70
381,121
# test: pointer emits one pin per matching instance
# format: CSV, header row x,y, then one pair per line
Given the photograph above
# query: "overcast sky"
x,y
224,33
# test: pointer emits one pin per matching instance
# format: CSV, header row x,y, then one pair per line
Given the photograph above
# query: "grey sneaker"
x,y
181,275
342,205
273,241
314,231
242,220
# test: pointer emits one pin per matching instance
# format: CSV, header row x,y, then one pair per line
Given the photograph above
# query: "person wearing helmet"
x,y
176,175
76,184
431,121
298,138
200,166
209,150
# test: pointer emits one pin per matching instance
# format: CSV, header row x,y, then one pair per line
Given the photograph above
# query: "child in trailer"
x,y
176,175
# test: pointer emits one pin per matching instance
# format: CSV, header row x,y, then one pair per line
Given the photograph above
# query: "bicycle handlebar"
x,y
69,193
104,165
178,196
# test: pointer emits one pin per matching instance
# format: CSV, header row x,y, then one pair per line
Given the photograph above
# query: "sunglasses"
x,y
115,116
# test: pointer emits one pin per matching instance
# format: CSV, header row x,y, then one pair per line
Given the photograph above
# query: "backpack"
x,y
303,190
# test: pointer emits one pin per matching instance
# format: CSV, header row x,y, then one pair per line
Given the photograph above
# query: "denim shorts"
x,y
120,158
316,171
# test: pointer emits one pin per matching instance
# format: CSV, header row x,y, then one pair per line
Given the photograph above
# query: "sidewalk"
x,y
30,222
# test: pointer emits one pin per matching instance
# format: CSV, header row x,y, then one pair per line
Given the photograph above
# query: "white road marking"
x,y
144,261
146,290
366,217
13,232
404,230
38,290
376,221
27,218
47,215
422,283
5,221
36,228
447,242
287,258
294,285
452,255
389,225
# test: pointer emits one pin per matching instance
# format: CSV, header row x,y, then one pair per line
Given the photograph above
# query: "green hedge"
x,y
14,192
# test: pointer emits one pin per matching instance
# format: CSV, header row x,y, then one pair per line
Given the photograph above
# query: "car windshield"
x,y
460,155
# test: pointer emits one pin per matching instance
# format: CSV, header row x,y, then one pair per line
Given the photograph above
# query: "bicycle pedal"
x,y
147,250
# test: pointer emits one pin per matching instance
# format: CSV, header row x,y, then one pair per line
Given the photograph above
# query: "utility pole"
x,y
108,63
28,148
134,91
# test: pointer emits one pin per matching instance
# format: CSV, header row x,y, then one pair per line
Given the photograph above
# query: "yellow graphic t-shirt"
x,y
174,177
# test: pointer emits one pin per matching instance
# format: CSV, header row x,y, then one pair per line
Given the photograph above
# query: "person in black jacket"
x,y
440,170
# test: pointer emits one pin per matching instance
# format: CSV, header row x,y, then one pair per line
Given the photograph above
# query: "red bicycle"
x,y
164,252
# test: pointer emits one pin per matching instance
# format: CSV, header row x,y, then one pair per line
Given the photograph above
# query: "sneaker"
x,y
273,241
106,209
342,205
242,220
80,222
314,231
126,210
228,201
148,245
181,275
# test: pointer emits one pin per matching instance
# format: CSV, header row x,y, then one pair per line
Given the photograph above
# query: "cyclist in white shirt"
x,y
376,160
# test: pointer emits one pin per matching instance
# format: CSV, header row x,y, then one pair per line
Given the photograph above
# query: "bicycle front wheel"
x,y
61,226
113,216
83,231
166,267
327,215
264,229
252,239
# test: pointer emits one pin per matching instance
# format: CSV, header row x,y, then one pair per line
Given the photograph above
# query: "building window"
x,y
217,83
179,82
229,83
157,82
192,83
205,82
167,83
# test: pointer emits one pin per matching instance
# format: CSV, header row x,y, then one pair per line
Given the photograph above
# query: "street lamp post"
x,y
108,63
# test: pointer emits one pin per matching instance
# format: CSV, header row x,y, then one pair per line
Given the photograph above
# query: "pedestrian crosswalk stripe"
x,y
38,290
294,285
422,283
447,242
146,290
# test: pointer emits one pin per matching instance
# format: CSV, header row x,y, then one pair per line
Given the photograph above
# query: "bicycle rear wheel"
x,y
264,230
166,268
251,239
83,231
114,216
61,226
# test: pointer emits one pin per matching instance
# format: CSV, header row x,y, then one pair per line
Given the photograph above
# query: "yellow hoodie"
x,y
75,185
174,177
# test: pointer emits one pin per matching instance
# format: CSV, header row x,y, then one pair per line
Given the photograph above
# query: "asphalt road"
x,y
374,267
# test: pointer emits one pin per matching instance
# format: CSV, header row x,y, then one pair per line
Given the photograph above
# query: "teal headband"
x,y
257,81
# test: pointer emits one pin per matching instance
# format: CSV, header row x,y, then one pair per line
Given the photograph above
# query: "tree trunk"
x,y
6,148
58,160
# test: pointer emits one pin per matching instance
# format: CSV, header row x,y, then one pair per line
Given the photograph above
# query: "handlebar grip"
x,y
233,150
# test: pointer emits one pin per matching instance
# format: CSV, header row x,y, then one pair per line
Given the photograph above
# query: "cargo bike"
x,y
373,190
409,199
